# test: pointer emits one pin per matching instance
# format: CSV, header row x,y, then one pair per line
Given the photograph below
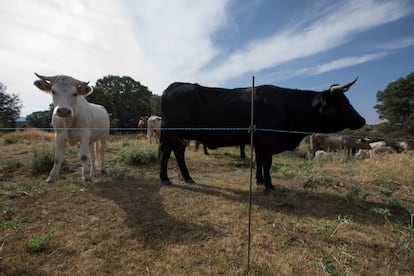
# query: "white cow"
x,y
75,120
154,128
378,144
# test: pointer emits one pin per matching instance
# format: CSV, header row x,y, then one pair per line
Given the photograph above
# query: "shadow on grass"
x,y
154,226
318,205
146,216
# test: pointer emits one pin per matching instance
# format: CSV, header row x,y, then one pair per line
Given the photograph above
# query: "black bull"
x,y
188,108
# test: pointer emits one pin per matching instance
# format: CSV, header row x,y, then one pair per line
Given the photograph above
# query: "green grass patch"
x,y
134,155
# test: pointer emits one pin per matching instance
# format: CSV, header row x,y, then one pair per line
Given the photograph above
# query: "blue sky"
x,y
296,44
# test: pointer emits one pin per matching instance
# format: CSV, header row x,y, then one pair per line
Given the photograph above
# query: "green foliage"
x,y
40,160
324,226
39,243
155,102
9,221
356,195
327,228
40,119
124,98
385,212
406,243
135,155
396,105
10,164
10,141
291,231
326,265
10,106
118,172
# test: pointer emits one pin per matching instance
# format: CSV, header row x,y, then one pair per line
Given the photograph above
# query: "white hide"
x,y
75,120
153,130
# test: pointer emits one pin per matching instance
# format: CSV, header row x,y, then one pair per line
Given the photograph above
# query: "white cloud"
x,y
330,30
84,39
157,41
176,34
345,62
398,44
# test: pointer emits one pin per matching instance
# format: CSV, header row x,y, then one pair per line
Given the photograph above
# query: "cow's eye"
x,y
53,92
75,94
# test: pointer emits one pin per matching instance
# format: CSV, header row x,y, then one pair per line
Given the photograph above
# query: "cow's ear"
x,y
84,90
43,85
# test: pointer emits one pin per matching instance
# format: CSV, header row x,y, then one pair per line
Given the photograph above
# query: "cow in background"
x,y
336,143
142,125
381,151
143,122
186,106
154,129
75,120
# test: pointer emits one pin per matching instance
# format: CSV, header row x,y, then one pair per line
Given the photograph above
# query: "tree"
x,y
396,106
124,98
155,102
10,107
40,119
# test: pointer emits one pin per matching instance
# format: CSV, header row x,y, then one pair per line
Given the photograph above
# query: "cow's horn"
x,y
343,87
45,78
83,83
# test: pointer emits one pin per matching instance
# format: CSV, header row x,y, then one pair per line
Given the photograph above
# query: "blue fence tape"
x,y
247,129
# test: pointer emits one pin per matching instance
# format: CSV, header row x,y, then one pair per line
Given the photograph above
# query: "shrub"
x,y
118,172
134,155
40,160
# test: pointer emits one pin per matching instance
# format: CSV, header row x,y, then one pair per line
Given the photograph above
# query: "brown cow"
x,y
336,142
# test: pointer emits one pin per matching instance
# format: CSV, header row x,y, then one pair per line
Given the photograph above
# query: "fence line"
x,y
239,129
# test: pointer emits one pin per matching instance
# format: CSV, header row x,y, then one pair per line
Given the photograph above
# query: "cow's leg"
x,y
267,164
157,136
259,167
102,151
164,153
60,146
205,150
179,150
92,155
149,135
83,157
263,165
242,151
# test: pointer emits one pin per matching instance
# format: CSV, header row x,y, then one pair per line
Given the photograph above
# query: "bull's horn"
x,y
45,78
343,87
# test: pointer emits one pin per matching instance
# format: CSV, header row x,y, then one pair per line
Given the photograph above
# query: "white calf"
x,y
75,120
154,129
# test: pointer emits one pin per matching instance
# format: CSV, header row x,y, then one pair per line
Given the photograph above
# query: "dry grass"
x,y
336,217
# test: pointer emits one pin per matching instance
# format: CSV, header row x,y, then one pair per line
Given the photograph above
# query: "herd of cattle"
x,y
214,117
320,146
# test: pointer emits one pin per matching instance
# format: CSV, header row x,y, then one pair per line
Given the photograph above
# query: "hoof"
x,y
189,181
166,183
87,179
269,188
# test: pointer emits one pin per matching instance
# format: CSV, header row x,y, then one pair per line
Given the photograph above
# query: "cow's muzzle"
x,y
63,112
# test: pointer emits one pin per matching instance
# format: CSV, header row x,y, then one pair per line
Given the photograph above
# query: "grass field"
x,y
339,217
